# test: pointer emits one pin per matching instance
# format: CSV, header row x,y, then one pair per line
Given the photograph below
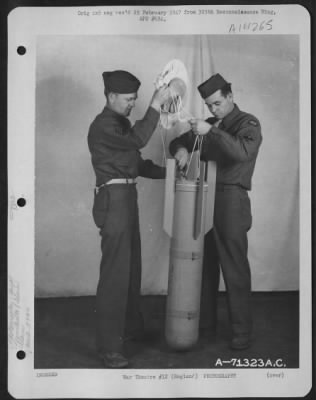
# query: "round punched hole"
x,y
21,50
21,202
20,354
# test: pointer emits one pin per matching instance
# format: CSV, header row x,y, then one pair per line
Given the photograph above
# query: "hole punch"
x,y
21,50
20,355
21,202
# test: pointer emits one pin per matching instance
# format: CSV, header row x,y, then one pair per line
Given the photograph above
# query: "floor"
x,y
64,335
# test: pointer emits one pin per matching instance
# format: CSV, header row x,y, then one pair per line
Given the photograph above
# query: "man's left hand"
x,y
200,127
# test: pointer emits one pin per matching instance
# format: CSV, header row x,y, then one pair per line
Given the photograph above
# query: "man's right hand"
x,y
182,157
160,96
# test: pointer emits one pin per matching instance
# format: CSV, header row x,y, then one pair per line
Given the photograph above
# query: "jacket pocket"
x,y
246,210
100,207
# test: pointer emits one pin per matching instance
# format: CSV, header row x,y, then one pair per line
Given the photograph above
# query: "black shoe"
x,y
240,342
114,360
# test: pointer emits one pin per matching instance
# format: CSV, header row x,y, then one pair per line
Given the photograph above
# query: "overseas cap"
x,y
211,86
120,82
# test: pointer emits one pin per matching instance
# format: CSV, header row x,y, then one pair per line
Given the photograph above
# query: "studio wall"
x,y
264,71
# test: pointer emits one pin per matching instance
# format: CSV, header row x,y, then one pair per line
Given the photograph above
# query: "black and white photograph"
x,y
159,179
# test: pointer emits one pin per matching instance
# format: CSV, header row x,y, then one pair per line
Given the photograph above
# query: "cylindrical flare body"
x,y
185,270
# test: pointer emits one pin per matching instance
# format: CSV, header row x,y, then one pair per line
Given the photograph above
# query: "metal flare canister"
x,y
184,221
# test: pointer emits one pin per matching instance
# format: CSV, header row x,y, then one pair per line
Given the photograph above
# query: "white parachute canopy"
x,y
176,77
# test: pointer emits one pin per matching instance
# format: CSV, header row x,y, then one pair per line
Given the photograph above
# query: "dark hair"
x,y
225,90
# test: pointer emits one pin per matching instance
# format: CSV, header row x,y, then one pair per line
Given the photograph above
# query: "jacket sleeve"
x,y
132,138
240,147
147,169
185,140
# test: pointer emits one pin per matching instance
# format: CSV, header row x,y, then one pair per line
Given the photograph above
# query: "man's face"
x,y
122,103
219,105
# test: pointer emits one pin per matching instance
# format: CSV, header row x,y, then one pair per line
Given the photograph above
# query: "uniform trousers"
x,y
226,246
118,292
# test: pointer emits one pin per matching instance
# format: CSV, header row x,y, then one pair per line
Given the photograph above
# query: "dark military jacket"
x,y
115,146
234,145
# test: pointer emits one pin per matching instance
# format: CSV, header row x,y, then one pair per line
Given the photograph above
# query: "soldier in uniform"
x,y
115,153
231,138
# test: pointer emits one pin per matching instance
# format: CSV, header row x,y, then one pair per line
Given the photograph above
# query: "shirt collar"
x,y
226,121
108,111
125,122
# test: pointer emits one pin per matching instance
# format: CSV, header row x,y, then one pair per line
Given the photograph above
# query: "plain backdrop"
x,y
264,72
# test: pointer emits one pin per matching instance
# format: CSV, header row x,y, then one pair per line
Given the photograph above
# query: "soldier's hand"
x,y
160,96
182,157
199,126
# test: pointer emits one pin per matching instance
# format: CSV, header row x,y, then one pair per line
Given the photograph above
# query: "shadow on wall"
x,y
64,111
64,187
65,102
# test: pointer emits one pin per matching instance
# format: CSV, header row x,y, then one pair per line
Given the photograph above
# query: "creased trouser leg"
x,y
115,268
210,282
232,220
236,274
134,319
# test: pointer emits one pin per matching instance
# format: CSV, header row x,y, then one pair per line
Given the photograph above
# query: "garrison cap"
x,y
211,86
120,82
